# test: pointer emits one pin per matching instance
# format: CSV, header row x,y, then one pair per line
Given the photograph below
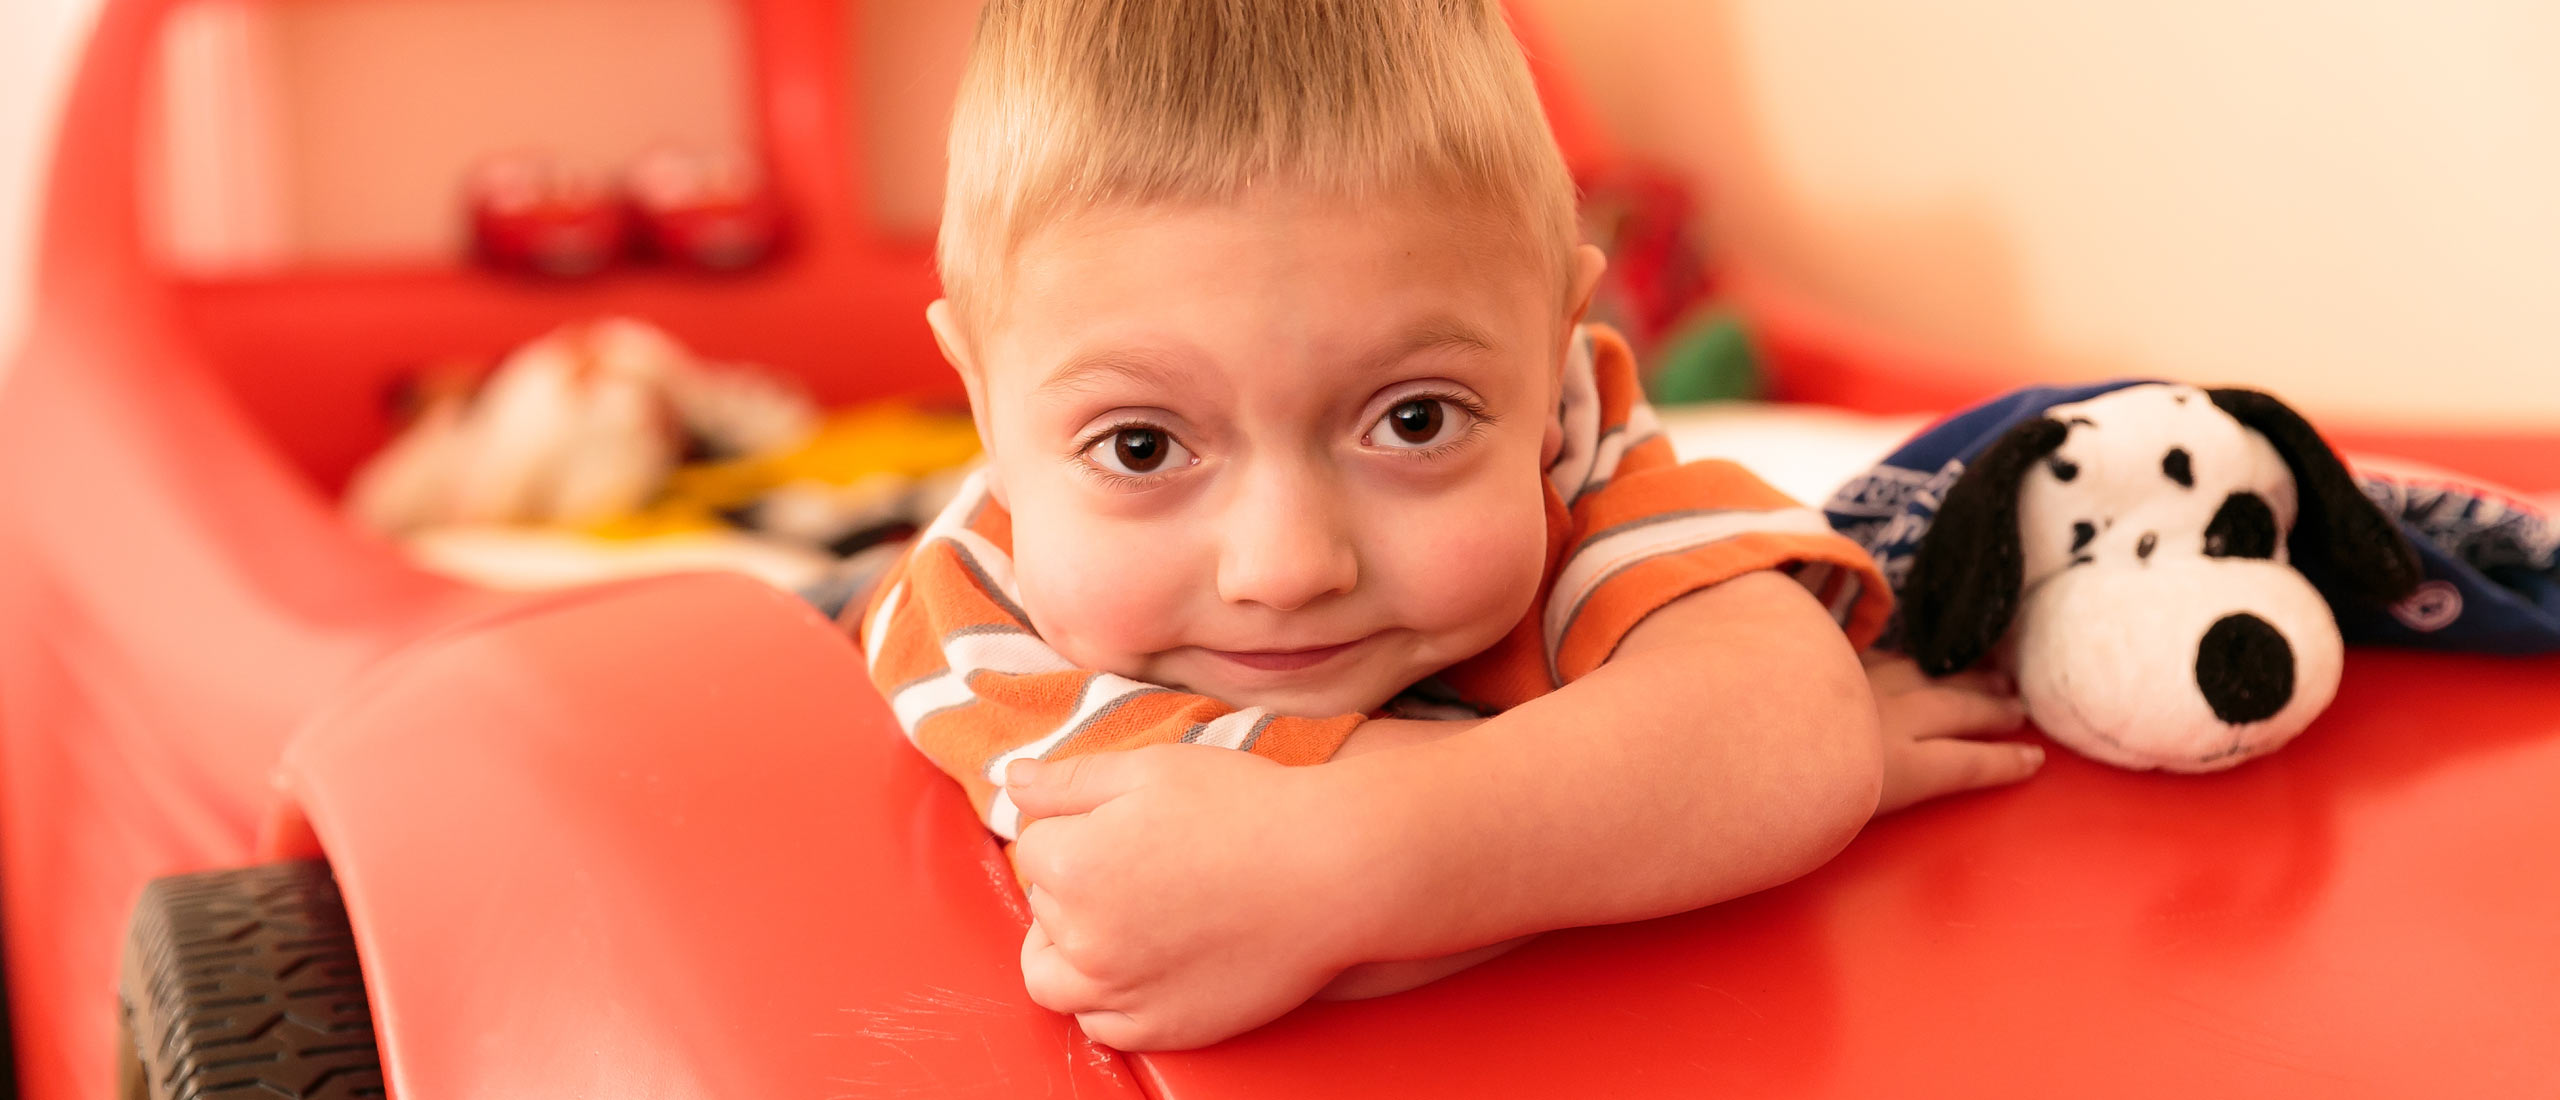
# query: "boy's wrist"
x,y
1385,851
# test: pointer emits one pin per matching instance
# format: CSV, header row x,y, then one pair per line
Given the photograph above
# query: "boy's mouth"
x,y
1285,660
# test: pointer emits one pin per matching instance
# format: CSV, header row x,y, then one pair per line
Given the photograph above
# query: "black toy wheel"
x,y
245,983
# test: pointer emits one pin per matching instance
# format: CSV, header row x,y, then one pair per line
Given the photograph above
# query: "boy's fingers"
x,y
1117,1030
1053,982
1947,712
1035,853
1045,913
1979,680
1075,785
1952,766
1891,673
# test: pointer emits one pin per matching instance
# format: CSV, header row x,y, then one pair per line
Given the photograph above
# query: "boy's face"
x,y
1283,453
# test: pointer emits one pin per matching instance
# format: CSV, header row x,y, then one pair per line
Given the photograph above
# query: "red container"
x,y
704,211
527,217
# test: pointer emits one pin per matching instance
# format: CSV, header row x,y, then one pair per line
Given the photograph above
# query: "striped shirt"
x,y
1629,529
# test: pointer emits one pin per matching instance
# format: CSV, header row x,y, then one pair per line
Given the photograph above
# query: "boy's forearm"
x,y
1728,747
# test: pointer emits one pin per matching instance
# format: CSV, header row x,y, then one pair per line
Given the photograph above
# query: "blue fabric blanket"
x,y
2492,559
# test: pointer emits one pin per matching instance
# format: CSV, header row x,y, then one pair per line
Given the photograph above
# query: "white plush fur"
x,y
2106,657
2106,645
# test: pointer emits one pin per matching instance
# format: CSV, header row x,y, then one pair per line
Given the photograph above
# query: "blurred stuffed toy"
x,y
2144,562
583,424
607,449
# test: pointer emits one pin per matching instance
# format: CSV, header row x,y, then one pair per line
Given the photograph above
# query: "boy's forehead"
x,y
1395,273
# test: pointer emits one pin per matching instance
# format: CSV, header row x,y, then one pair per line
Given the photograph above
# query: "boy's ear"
x,y
954,343
956,350
1583,281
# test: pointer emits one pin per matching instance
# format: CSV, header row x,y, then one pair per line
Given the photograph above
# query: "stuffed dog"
x,y
2150,563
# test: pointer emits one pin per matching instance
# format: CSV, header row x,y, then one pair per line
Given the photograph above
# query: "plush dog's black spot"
x,y
2244,667
2244,527
2081,533
2180,398
2339,533
2150,542
2063,469
2179,467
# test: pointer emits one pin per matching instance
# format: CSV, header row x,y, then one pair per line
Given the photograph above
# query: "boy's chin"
x,y
1302,701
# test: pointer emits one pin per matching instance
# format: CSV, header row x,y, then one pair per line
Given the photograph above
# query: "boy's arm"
x,y
1929,732
1730,744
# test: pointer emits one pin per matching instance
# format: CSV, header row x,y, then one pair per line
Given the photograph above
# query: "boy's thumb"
x,y
1057,788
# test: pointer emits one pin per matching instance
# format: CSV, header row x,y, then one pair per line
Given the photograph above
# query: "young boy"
x,y
1269,315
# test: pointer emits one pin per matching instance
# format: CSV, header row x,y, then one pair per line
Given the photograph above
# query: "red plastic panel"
x,y
663,840
172,603
2370,913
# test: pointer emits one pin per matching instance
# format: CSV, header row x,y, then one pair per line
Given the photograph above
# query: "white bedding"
x,y
1806,451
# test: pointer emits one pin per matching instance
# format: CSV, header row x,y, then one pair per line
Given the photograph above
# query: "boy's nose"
x,y
1285,545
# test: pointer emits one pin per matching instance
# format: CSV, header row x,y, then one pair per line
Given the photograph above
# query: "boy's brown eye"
x,y
1415,421
1418,424
1139,450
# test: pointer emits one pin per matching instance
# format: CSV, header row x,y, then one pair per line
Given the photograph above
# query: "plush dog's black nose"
x,y
2245,669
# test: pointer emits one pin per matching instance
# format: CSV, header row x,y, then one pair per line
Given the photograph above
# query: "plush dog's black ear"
x,y
2340,534
1965,578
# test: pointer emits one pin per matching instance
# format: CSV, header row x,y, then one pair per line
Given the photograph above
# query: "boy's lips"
x,y
1285,660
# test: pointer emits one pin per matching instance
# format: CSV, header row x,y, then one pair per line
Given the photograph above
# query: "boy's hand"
x,y
1181,894
1926,722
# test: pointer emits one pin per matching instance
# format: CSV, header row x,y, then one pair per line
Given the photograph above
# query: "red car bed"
x,y
662,839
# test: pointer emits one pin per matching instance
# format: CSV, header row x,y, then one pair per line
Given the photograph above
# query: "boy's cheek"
x,y
1473,565
1104,599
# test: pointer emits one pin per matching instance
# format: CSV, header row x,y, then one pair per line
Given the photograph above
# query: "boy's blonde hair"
x,y
1072,103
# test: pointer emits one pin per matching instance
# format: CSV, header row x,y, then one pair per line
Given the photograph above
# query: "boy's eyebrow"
x,y
1146,366
1087,369
1439,331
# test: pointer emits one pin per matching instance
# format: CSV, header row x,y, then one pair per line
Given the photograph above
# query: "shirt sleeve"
x,y
975,689
1647,529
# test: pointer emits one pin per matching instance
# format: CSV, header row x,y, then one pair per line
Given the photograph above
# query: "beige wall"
x,y
2356,202
329,130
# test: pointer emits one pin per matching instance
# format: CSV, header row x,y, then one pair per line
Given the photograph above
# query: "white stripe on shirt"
x,y
1603,557
1228,731
1101,692
1642,427
965,502
921,699
1003,817
1009,651
875,635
